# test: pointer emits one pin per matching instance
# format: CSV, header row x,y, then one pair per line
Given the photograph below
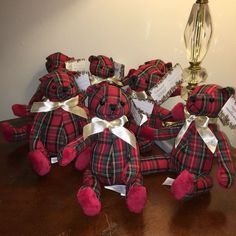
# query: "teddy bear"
x,y
57,121
197,143
140,81
55,61
114,154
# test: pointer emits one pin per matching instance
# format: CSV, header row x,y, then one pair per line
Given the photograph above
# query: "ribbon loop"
x,y
206,134
70,105
112,80
98,125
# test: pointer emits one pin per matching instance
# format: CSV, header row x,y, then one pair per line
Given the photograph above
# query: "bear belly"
x,y
108,160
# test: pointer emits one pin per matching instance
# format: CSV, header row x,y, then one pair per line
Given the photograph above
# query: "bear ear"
x,y
92,58
227,92
44,79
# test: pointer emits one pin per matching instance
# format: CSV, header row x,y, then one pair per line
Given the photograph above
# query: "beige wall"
x,y
130,31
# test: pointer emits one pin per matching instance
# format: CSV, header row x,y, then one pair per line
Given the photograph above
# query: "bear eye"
x,y
102,102
54,87
101,66
122,103
146,81
211,99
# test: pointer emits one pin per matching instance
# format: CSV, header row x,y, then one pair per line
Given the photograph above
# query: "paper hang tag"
x,y
168,181
119,70
54,160
227,114
77,65
139,117
83,80
167,84
121,189
145,106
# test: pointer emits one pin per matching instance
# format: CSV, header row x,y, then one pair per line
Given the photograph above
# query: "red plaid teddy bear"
x,y
114,156
58,120
197,143
55,61
140,81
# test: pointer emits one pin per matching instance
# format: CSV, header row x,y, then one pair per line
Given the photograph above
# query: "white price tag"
x,y
138,117
144,105
227,114
119,70
168,182
76,65
119,188
54,160
83,81
167,85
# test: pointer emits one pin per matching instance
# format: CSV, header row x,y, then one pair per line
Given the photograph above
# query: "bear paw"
x,y
68,155
136,198
224,179
39,162
88,201
182,185
20,110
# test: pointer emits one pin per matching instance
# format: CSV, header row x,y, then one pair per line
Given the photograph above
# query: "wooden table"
x,y
33,205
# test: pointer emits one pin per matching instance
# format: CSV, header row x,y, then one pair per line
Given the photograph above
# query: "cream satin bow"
x,y
98,125
140,95
70,105
97,80
206,134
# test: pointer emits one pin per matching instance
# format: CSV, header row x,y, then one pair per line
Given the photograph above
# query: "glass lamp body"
x,y
197,37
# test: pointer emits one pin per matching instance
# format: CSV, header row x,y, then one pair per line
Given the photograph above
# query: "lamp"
x,y
197,37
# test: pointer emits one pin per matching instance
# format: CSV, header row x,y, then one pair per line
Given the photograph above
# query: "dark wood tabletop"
x,y
33,205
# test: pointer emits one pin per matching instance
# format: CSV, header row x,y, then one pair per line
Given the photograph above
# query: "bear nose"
x,y
65,89
111,71
112,107
133,80
192,98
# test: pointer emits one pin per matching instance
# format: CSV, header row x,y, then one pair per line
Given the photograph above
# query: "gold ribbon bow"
x,y
98,125
97,80
70,105
206,134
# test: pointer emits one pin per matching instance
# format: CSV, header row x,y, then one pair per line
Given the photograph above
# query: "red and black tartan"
x,y
52,130
192,154
101,66
55,62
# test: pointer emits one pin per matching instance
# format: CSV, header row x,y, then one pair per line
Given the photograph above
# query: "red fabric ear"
x,y
92,58
93,89
227,92
43,79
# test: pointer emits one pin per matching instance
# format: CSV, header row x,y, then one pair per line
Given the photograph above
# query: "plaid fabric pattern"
x,y
54,130
101,66
56,60
161,65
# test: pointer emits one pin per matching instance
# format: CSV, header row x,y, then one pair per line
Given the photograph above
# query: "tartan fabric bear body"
x,y
112,159
55,61
142,80
54,128
192,157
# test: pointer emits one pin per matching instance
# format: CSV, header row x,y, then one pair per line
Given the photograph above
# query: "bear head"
x,y
208,100
58,86
101,66
107,102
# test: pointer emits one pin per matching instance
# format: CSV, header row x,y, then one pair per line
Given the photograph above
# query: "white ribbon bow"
x,y
98,125
70,105
112,80
206,134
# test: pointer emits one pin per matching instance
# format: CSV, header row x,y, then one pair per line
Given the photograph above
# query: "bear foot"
x,y
88,201
39,162
136,199
182,185
83,159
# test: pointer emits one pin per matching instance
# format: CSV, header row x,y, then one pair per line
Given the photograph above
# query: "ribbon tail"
x,y
79,111
91,129
42,107
209,138
125,135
